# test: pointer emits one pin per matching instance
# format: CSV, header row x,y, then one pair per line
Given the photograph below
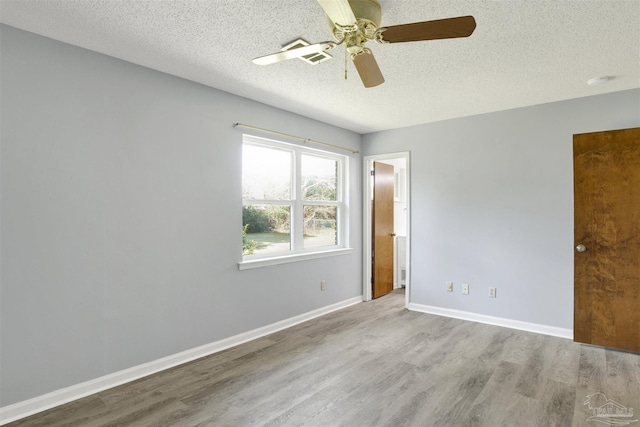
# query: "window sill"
x,y
265,262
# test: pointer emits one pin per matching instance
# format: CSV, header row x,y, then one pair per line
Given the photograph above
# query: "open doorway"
x,y
390,259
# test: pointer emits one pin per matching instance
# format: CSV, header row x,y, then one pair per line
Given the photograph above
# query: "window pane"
x,y
320,226
266,228
319,178
266,173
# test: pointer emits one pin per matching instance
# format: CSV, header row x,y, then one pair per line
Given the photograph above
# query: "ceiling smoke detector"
x,y
597,81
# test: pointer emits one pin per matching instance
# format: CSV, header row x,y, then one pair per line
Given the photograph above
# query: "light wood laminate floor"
x,y
373,364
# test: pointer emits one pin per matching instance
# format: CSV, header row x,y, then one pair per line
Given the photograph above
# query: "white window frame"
x,y
297,251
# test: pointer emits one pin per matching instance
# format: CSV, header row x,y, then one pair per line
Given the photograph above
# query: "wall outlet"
x,y
492,292
465,288
323,285
449,286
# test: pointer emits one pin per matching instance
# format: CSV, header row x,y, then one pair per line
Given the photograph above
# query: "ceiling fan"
x,y
356,22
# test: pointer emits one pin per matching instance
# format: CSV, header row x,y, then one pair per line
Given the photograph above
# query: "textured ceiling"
x,y
523,52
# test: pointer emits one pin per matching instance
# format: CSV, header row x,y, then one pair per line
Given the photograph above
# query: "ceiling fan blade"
x,y
294,53
449,28
368,69
339,11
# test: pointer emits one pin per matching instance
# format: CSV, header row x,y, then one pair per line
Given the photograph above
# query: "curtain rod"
x,y
242,125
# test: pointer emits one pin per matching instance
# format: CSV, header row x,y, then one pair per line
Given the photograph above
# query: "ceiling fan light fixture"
x,y
356,49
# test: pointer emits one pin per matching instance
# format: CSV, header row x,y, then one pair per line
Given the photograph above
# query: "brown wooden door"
x,y
607,224
383,236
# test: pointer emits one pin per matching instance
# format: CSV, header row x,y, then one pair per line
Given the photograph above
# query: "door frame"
x,y
367,224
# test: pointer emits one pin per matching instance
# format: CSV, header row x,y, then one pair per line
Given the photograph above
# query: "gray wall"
x,y
492,205
121,217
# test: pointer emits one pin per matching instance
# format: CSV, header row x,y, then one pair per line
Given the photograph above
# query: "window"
x,y
292,200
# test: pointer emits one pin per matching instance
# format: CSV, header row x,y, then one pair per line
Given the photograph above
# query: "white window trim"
x,y
301,254
285,259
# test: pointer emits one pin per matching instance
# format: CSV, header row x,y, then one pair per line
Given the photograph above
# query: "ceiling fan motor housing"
x,y
368,14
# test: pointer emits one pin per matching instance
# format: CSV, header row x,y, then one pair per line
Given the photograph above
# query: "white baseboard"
x,y
55,398
498,321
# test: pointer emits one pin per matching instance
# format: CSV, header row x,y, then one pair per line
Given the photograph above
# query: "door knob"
x,y
581,248
393,234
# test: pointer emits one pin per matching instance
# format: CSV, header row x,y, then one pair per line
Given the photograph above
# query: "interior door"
x,y
607,237
383,235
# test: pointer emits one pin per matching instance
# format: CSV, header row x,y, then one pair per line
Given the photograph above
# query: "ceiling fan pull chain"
x,y
346,52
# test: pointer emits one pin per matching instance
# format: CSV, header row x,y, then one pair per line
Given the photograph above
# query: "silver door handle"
x,y
581,248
